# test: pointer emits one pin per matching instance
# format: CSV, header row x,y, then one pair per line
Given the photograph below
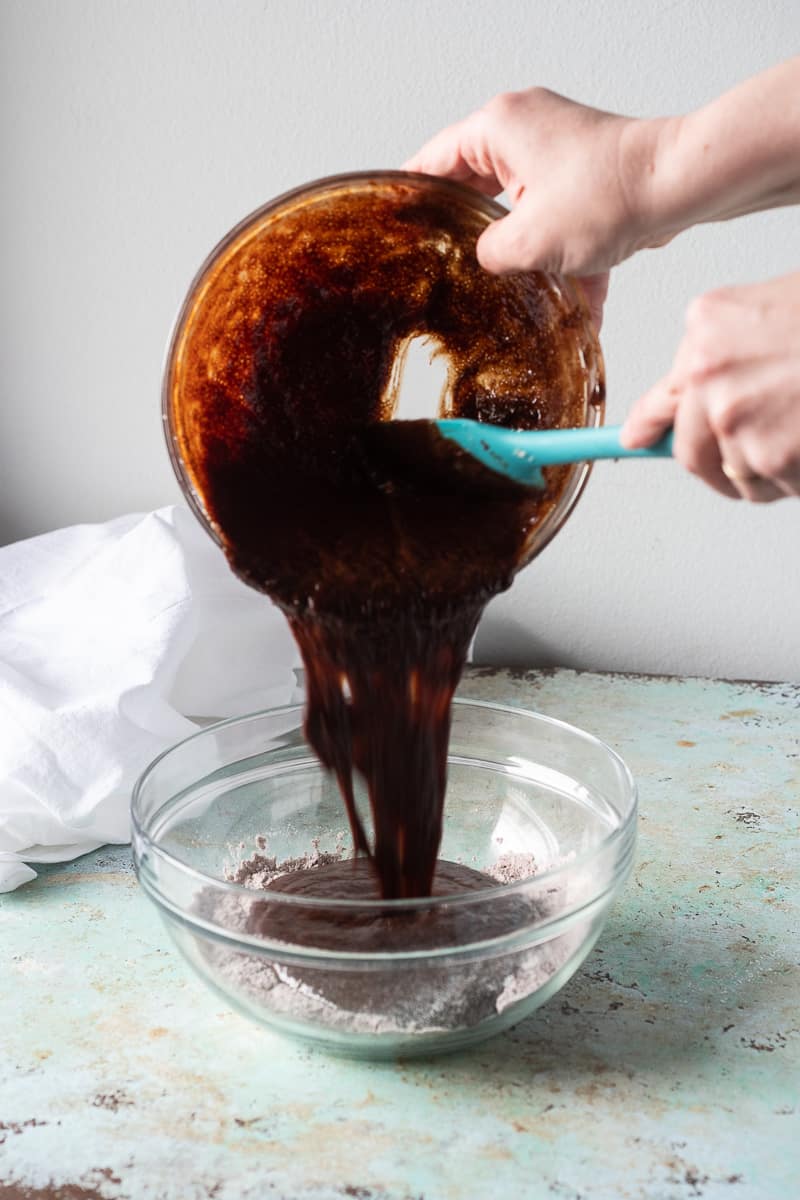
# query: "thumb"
x,y
652,415
509,244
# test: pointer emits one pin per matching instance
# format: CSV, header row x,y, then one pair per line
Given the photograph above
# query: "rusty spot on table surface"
x,y
694,1179
685,742
515,673
767,1045
747,818
7,1127
112,1101
257,1124
82,1189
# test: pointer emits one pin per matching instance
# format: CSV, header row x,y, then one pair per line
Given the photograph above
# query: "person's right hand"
x,y
733,393
576,178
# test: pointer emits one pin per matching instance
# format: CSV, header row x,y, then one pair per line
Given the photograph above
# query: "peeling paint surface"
x,y
668,1068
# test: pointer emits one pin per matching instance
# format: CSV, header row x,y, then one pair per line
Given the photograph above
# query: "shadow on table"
x,y
645,1000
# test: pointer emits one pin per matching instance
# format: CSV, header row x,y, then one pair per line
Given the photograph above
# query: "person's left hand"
x,y
733,393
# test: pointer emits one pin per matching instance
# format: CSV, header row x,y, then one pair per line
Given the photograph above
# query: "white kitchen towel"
x,y
111,638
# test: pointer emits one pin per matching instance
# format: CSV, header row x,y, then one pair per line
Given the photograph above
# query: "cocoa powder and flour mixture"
x,y
381,542
421,998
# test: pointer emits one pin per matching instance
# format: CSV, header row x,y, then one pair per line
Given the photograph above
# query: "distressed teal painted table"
x,y
668,1068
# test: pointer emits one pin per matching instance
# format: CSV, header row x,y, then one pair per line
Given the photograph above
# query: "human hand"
x,y
576,177
733,393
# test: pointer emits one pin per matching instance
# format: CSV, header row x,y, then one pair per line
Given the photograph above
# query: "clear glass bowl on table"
x,y
548,811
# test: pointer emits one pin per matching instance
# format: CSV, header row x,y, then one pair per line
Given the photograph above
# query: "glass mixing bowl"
x,y
544,808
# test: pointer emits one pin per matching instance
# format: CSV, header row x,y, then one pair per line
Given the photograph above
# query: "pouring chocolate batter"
x,y
379,540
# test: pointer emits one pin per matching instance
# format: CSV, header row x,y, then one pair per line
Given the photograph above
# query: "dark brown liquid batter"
x,y
352,928
407,994
379,540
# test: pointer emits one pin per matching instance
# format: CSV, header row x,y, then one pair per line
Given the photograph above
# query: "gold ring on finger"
x,y
740,476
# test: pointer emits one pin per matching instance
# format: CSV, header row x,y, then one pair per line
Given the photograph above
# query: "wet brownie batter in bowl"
x,y
380,540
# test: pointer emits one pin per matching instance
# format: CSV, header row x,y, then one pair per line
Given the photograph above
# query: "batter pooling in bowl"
x,y
380,541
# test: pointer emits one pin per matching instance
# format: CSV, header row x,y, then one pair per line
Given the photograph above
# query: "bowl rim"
x,y
622,831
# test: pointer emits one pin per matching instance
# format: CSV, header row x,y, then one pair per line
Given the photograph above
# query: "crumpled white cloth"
x,y
111,637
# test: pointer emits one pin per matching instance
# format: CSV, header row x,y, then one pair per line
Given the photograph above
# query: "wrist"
x,y
650,149
740,154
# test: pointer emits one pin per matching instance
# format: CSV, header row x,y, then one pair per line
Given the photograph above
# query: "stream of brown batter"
x,y
379,540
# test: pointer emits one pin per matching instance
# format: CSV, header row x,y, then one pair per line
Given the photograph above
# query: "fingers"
x,y
741,476
719,462
665,406
785,473
454,154
571,174
652,415
514,244
440,156
499,247
754,408
697,449
744,461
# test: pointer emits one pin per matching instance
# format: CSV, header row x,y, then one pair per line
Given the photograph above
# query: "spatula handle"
x,y
554,446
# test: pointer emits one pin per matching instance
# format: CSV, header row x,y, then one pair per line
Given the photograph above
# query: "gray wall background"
x,y
135,134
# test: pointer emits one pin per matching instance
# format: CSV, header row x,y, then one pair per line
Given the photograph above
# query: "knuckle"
x,y
727,415
765,464
698,311
702,362
703,311
509,106
773,461
535,95
502,106
721,295
478,117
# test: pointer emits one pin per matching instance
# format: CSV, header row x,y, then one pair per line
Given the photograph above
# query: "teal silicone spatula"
x,y
521,454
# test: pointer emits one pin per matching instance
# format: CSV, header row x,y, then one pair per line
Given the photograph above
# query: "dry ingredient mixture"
x,y
381,542
423,998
